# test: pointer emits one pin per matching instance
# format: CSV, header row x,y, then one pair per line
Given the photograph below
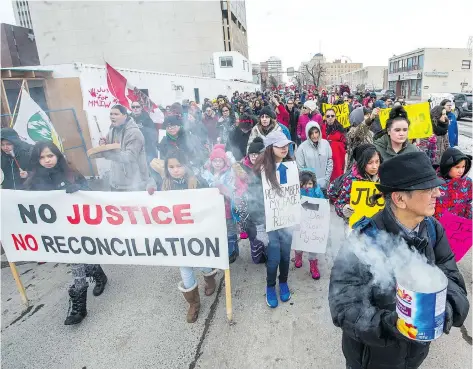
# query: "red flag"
x,y
127,93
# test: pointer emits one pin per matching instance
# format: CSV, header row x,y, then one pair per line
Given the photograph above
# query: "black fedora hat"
x,y
408,172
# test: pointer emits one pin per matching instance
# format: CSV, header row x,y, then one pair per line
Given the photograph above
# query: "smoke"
x,y
390,259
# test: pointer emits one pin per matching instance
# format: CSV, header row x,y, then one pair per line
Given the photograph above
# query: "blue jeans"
x,y
188,275
279,255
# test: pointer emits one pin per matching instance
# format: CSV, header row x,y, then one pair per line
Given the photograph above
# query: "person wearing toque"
x,y
365,312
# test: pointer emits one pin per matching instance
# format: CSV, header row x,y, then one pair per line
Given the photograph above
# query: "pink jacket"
x,y
302,122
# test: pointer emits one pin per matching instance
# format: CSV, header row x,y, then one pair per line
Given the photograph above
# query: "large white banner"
x,y
283,210
175,228
313,232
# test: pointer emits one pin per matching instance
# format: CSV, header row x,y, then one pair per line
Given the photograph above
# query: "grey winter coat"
x,y
257,131
129,170
316,156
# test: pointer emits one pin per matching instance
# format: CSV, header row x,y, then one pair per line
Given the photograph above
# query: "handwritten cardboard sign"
x,y
283,210
360,200
419,116
341,111
313,232
458,232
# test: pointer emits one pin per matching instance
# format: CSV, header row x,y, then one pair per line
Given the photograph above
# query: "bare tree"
x,y
299,80
317,73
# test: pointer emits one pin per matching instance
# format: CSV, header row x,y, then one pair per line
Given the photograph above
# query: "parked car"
x,y
462,105
385,93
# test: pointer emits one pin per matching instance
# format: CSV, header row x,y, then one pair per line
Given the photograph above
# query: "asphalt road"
x,y
139,322
465,127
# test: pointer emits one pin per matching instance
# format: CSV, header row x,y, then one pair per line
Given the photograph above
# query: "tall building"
x,y
334,70
421,72
21,11
274,68
166,36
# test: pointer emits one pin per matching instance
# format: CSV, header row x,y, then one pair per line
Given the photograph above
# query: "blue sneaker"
x,y
284,292
271,297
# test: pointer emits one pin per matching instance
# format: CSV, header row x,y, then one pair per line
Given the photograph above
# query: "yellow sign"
x,y
341,111
360,200
419,116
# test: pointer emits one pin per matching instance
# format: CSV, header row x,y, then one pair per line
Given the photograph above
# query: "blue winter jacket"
x,y
452,130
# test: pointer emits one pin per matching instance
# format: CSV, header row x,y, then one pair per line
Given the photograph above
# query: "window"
x,y
466,64
226,61
414,62
409,64
244,64
421,61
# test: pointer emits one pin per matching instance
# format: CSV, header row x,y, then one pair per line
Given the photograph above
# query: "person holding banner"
x,y
50,171
366,164
280,240
309,188
334,133
456,192
15,159
392,141
359,305
178,175
219,173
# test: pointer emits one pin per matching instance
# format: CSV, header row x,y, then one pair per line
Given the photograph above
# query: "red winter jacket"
x,y
338,144
455,197
283,115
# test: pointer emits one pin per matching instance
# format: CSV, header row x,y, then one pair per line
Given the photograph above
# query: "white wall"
x,y
372,77
171,36
445,61
241,69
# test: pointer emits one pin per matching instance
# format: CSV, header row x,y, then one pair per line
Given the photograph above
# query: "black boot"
x,y
100,281
77,305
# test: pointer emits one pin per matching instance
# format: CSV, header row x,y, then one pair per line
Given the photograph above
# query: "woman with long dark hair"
x,y
51,171
279,246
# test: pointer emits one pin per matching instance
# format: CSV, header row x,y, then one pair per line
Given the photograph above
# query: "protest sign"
x,y
419,116
282,209
360,200
174,228
341,111
312,234
458,232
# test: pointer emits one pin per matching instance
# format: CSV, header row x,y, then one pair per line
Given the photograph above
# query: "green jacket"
x,y
383,145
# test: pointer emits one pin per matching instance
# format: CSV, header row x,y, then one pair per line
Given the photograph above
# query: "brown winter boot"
x,y
210,284
193,298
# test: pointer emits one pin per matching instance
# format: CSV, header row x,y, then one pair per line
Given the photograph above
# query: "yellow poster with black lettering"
x,y
342,113
360,200
419,116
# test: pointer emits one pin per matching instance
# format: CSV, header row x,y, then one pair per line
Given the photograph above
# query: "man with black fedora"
x,y
365,312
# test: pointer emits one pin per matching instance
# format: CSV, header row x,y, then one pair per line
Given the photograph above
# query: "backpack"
x,y
373,231
336,186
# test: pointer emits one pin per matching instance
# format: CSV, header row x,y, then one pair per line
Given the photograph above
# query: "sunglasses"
x,y
330,116
135,106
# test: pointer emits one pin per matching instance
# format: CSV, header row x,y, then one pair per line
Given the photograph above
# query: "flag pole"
x,y
17,103
19,284
228,296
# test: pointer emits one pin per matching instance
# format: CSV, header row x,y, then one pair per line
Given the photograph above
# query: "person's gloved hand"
x,y
389,325
347,211
447,325
151,189
73,187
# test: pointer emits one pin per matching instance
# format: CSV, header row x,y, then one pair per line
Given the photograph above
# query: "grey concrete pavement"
x,y
139,322
465,127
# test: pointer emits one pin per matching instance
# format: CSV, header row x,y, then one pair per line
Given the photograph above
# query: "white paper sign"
x,y
313,232
283,211
174,228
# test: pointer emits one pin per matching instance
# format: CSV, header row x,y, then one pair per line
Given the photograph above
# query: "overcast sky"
x,y
361,30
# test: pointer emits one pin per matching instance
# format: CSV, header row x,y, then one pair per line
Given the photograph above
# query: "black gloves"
x,y
71,188
389,324
447,325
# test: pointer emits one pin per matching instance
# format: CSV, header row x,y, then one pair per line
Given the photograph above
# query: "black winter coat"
x,y
54,179
293,119
186,142
357,306
237,142
150,133
22,151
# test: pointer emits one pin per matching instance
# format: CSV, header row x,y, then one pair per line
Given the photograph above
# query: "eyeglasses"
x,y
135,106
330,116
172,127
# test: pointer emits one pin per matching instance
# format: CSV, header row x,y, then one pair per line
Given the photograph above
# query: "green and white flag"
x,y
33,124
